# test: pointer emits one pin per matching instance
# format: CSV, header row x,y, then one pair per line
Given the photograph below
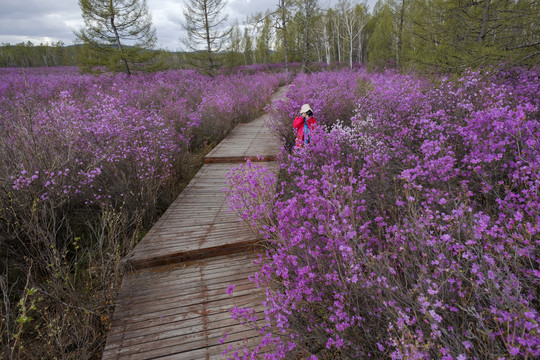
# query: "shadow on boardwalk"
x,y
174,304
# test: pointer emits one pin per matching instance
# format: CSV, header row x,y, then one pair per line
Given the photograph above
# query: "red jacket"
x,y
298,124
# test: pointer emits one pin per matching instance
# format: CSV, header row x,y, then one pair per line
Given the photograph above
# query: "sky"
x,y
41,21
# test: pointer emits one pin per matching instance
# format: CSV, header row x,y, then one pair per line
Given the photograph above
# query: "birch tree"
x,y
326,39
354,20
363,15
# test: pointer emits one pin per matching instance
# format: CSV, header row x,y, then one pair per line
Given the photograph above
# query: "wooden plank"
x,y
170,321
168,272
146,329
186,310
222,351
199,274
182,318
159,280
177,295
196,254
176,347
246,142
214,353
174,238
177,321
239,159
194,331
199,236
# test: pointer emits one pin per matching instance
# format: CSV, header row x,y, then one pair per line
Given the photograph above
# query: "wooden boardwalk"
x,y
174,304
246,141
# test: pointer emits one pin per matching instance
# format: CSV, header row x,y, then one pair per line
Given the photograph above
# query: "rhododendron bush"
x,y
332,94
413,233
86,164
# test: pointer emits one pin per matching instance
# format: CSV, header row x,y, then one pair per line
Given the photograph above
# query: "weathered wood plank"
x,y
183,320
195,254
167,273
246,141
187,310
177,346
189,328
216,352
175,320
178,296
195,226
255,146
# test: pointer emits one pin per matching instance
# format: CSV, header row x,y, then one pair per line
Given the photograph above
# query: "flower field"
x,y
87,163
408,229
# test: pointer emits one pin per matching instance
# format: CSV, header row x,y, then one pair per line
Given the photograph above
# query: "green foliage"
x,y
206,36
234,56
29,54
380,43
452,35
263,42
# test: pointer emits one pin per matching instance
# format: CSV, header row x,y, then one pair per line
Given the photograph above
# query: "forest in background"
x,y
425,35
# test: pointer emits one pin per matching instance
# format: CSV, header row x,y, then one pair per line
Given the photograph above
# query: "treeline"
x,y
28,54
440,35
434,35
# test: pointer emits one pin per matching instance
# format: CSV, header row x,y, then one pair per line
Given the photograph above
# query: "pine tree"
x,y
263,42
452,35
117,34
309,9
206,32
248,47
234,55
380,44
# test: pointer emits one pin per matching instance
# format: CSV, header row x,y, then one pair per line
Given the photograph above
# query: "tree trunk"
x,y
306,40
208,42
285,35
338,36
399,46
485,19
361,45
350,50
327,45
360,49
119,44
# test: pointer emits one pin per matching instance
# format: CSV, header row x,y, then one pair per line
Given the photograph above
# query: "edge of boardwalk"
x,y
174,303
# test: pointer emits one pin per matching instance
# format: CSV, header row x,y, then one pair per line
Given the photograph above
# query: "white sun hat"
x,y
305,108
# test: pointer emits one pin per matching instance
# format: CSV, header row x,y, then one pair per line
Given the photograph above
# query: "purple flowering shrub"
x,y
87,164
41,71
413,232
258,68
332,95
222,109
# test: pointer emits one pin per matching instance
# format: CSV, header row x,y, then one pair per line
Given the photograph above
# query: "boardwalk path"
x,y
174,305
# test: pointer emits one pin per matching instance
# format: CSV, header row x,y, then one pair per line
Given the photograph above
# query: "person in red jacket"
x,y
304,124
